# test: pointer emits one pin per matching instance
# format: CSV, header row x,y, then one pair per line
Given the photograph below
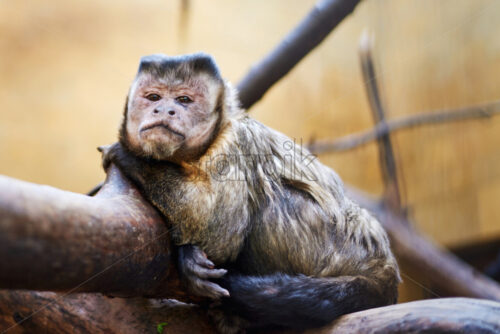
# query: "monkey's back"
x,y
301,221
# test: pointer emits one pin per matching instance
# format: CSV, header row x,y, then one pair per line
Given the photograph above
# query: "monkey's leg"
x,y
302,302
196,270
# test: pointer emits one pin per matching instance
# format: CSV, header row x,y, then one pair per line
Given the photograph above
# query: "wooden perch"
x,y
94,313
308,34
83,313
445,315
114,243
355,140
57,240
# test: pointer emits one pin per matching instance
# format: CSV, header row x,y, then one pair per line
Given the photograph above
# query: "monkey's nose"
x,y
156,111
171,112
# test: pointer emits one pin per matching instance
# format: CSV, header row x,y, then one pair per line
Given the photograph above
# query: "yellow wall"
x,y
65,68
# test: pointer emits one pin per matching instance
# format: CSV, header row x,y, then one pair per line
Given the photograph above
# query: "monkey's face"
x,y
170,118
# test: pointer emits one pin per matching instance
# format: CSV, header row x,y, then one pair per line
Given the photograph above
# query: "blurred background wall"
x,y
65,68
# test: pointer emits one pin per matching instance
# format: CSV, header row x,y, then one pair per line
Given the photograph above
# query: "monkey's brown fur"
x,y
298,251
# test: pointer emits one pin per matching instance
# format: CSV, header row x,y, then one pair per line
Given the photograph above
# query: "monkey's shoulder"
x,y
271,160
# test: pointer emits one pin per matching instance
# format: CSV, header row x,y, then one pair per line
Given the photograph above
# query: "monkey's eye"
x,y
153,97
184,99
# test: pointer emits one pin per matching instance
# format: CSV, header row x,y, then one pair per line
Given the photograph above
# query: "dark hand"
x,y
196,270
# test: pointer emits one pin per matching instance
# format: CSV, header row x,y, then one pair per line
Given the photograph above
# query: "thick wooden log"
x,y
82,313
47,312
114,243
445,315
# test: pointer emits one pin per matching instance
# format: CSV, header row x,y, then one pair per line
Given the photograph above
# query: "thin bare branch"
x,y
355,140
392,196
308,34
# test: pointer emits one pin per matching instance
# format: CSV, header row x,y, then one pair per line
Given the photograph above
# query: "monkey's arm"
x,y
195,268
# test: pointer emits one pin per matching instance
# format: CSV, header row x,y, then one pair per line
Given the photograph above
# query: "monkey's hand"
x,y
196,270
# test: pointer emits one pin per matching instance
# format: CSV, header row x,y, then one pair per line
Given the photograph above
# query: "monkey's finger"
x,y
207,264
216,273
213,290
202,260
202,272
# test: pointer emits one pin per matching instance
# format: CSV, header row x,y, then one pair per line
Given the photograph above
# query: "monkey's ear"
x,y
203,62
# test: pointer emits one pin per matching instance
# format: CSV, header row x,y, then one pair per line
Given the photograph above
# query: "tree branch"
x,y
114,243
445,315
313,29
355,140
82,313
41,312
392,195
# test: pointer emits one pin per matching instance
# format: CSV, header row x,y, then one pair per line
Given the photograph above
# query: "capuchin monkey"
x,y
262,227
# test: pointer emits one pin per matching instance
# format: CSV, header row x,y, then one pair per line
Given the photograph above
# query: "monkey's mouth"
x,y
162,125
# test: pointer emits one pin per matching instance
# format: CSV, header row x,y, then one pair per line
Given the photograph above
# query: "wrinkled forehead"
x,y
201,83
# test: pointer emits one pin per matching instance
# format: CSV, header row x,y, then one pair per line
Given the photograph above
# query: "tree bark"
x,y
56,313
445,315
